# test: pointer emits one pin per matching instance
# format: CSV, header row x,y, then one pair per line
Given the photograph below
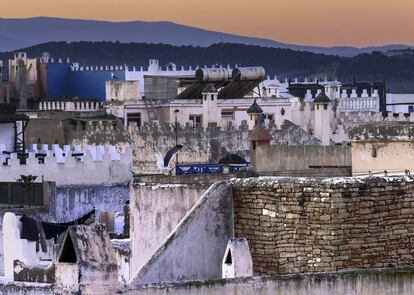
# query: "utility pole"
x,y
176,134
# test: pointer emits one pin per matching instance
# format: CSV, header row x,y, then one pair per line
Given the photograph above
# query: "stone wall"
x,y
200,146
205,146
315,225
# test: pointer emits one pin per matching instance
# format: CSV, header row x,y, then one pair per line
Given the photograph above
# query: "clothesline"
x,y
40,231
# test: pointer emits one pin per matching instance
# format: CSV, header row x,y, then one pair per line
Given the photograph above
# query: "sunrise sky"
x,y
317,22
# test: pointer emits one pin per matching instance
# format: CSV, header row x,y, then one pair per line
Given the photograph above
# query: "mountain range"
x,y
20,33
396,69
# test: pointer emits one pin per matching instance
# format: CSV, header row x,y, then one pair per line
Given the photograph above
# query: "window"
x,y
268,117
411,109
196,120
212,97
134,117
227,114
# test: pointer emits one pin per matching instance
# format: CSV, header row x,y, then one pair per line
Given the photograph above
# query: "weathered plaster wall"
x,y
383,131
380,156
73,201
200,146
24,288
63,131
72,172
377,147
155,212
67,203
313,225
204,147
122,90
300,160
195,248
56,130
367,282
7,135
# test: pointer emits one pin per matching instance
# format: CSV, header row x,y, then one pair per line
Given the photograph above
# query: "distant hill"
x,y
38,30
397,70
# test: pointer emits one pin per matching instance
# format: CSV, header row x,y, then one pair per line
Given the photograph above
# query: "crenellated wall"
x,y
65,166
205,146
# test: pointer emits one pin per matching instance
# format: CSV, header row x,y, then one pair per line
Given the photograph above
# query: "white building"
x,y
400,103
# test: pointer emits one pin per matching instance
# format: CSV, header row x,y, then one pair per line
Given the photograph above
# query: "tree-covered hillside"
x,y
396,70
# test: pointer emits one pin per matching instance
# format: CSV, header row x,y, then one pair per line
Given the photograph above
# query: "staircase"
x,y
150,110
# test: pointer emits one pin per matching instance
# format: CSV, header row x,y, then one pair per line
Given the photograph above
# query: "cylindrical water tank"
x,y
212,75
249,74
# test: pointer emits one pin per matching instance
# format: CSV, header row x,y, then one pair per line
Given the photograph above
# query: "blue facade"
x,y
62,82
91,84
58,80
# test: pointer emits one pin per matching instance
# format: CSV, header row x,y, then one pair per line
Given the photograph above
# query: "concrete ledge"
x,y
368,282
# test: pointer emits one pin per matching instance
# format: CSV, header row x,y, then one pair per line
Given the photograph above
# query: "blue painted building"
x,y
61,81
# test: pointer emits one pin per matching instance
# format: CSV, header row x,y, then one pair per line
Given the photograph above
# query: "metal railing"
x,y
209,168
193,169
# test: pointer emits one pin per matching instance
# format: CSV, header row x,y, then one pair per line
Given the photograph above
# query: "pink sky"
x,y
319,22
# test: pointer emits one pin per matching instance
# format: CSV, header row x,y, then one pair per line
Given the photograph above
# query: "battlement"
x,y
79,164
189,127
51,60
75,67
71,106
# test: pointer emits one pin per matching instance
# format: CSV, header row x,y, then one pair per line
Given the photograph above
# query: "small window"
x,y
227,114
68,254
228,258
134,117
212,97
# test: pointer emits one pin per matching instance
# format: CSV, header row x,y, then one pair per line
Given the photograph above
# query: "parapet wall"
x,y
367,282
296,225
66,166
300,160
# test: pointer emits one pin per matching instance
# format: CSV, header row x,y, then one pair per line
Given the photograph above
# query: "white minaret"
x,y
254,112
322,119
211,113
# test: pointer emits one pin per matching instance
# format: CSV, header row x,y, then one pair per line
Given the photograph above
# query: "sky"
x,y
357,23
